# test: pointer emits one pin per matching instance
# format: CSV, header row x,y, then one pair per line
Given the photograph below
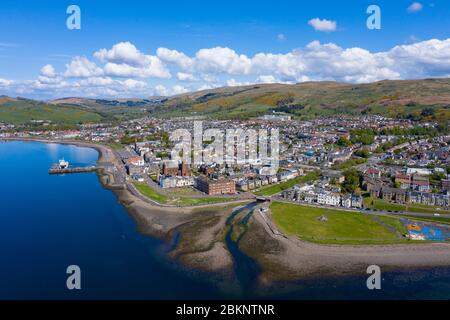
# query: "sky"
x,y
152,48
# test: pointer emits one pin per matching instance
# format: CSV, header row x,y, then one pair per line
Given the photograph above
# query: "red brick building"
x,y
215,187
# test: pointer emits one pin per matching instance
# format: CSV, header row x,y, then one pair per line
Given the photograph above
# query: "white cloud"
x,y
125,60
177,89
155,69
222,59
122,52
161,90
48,71
185,76
322,25
415,7
175,57
122,74
266,79
81,67
5,82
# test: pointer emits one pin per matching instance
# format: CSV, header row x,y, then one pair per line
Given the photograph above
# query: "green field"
x,y
24,111
199,201
147,191
341,228
277,188
349,164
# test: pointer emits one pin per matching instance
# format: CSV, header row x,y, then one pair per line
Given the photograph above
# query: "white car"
x,y
437,215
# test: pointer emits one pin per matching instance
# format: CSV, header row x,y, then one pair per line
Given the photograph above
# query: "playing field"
x,y
340,227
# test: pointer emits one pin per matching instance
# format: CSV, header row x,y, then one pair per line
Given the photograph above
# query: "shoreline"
x,y
282,258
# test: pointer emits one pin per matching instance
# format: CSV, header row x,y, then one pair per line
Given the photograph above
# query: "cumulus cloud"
x,y
123,70
161,90
415,7
125,60
222,59
185,76
81,67
48,71
175,57
177,89
322,24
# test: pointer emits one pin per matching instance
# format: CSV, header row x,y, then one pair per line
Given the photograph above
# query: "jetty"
x,y
63,167
55,169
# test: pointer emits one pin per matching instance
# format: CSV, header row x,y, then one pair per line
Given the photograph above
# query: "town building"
x,y
215,186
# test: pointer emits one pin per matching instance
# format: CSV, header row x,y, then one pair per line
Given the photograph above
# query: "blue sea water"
x,y
50,222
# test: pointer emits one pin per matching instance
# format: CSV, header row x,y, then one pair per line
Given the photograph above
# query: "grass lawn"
x,y
341,228
349,163
382,205
147,191
197,201
277,188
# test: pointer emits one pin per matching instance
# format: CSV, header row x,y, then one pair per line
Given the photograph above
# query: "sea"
x,y
51,222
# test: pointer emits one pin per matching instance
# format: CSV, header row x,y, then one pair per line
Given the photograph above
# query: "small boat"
x,y
63,164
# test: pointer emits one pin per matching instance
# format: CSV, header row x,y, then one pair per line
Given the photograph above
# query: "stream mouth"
x,y
246,268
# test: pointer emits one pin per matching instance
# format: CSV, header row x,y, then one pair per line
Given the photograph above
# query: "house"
x,y
346,201
373,173
357,201
329,198
420,184
136,161
393,194
333,175
404,180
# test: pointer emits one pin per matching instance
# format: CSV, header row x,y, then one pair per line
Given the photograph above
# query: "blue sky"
x,y
34,34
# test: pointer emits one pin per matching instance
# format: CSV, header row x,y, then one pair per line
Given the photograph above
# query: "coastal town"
x,y
365,162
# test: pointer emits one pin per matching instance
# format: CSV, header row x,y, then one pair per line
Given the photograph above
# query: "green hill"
x,y
417,99
427,99
22,111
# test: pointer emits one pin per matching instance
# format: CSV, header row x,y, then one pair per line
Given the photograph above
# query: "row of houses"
x,y
417,197
323,197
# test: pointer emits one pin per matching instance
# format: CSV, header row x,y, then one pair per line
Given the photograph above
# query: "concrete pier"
x,y
55,169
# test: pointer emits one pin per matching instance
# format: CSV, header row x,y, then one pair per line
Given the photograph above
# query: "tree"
x,y
352,180
343,142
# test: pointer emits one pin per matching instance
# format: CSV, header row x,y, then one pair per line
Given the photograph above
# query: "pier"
x,y
55,169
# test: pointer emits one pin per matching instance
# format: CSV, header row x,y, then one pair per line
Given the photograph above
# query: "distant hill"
x,y
427,99
417,99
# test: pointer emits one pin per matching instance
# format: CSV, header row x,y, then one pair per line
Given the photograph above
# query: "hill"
x,y
417,99
21,111
427,99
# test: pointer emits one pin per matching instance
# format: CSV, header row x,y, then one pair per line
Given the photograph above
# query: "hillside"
x,y
427,99
20,111
417,99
